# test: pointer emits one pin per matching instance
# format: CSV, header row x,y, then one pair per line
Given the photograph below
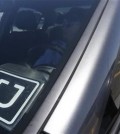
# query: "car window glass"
x,y
40,35
36,40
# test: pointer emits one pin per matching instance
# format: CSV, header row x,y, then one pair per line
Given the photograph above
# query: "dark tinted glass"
x,y
40,33
36,40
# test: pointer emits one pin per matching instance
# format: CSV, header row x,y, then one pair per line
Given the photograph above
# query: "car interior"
x,y
32,31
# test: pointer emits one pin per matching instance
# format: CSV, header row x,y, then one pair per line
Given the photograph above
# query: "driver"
x,y
61,37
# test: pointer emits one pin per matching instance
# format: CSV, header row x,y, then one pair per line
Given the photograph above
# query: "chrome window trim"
x,y
84,88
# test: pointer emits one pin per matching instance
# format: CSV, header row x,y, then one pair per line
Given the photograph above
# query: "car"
x,y
59,66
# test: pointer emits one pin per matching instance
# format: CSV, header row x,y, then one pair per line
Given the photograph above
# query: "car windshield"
x,y
37,37
40,33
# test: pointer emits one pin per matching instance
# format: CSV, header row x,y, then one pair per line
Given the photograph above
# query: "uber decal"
x,y
15,93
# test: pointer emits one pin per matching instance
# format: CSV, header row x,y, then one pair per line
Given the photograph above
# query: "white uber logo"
x,y
17,92
15,97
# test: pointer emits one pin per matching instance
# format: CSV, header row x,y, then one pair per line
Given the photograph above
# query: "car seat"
x,y
17,43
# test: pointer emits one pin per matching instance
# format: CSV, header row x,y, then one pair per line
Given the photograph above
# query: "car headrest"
x,y
26,20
